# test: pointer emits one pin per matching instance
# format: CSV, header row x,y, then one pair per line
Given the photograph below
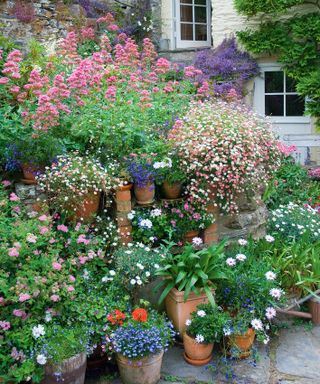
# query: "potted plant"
x,y
250,294
188,220
139,340
61,351
143,174
74,185
204,328
189,279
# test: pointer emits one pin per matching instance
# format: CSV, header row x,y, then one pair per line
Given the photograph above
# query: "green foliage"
x,y
291,184
252,7
192,270
295,41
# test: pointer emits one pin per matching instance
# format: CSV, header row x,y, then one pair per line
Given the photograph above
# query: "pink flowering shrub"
x,y
226,149
46,276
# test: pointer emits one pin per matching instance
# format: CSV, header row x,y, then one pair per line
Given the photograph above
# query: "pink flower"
x,y
56,266
43,218
52,241
5,325
70,288
82,239
13,252
43,230
24,297
14,197
16,209
6,183
1,299
83,259
72,278
55,298
62,228
19,313
4,80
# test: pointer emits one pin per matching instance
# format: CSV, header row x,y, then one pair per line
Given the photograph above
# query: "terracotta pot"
x,y
29,173
72,371
314,308
87,209
144,195
179,311
196,353
123,192
145,370
171,191
243,343
190,235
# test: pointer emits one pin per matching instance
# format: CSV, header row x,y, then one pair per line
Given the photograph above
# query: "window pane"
x,y
186,31
274,105
200,14
185,1
200,2
294,105
273,82
290,84
201,32
186,13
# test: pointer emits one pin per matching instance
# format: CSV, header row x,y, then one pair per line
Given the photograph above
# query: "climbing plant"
x,y
294,39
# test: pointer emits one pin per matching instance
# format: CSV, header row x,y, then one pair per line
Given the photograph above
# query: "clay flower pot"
x,y
29,173
179,311
144,195
73,370
243,343
145,370
171,191
314,308
190,235
196,353
123,192
88,208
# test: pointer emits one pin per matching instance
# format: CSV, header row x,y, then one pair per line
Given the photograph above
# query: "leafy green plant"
x,y
208,323
192,270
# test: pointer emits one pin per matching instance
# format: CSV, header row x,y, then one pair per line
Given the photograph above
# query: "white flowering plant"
x,y
295,221
72,178
206,324
136,265
225,148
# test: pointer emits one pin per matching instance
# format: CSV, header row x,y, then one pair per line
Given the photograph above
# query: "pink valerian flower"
x,y
56,266
55,298
13,252
4,80
24,297
285,149
14,197
87,33
5,325
62,228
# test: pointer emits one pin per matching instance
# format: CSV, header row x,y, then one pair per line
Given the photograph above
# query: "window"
x,y
281,98
193,23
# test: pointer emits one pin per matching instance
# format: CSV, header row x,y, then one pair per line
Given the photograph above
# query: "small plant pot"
x,y
88,208
243,343
123,192
144,195
179,311
196,353
171,191
190,235
314,308
29,173
146,370
72,371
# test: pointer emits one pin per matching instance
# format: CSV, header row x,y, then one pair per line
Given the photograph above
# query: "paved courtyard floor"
x,y
291,358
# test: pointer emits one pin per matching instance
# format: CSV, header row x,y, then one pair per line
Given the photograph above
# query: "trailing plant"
x,y
226,68
293,39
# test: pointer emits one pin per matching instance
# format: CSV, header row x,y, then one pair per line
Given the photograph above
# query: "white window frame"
x,y
192,43
259,97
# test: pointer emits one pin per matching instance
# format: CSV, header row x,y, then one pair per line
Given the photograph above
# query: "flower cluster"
x,y
226,149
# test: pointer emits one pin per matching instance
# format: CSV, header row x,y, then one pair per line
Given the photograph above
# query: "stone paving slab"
x,y
298,353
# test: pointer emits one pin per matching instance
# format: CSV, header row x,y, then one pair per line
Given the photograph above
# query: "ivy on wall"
x,y
295,40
